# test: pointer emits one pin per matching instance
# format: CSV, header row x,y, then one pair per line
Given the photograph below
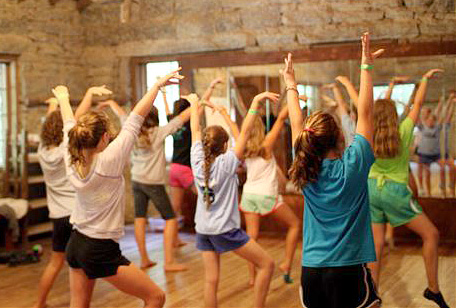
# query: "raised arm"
x,y
142,108
395,80
365,125
350,88
233,126
274,133
63,97
119,111
249,119
449,110
195,117
438,110
208,93
421,94
86,102
294,109
53,103
165,101
342,108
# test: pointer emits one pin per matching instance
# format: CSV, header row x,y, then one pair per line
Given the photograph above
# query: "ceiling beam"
x,y
83,4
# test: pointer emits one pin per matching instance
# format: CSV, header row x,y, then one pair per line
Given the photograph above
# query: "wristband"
x,y
253,111
366,67
424,79
293,88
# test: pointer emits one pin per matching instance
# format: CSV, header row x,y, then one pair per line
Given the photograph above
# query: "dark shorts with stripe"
x,y
338,287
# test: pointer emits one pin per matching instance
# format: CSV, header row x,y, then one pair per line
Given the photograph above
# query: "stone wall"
x,y
50,41
181,26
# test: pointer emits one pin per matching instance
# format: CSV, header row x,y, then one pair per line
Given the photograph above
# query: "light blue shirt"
x,y
430,139
223,214
337,225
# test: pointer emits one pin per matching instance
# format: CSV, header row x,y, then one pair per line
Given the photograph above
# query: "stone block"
x,y
261,17
192,25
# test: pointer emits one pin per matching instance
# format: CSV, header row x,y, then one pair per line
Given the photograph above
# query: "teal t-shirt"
x,y
337,225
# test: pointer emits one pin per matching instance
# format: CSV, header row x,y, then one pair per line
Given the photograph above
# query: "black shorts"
x,y
61,233
97,257
142,193
428,159
341,287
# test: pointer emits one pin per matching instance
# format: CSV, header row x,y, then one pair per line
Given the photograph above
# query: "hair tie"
x,y
310,130
206,191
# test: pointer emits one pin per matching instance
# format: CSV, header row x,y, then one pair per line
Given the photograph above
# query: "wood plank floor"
x,y
403,279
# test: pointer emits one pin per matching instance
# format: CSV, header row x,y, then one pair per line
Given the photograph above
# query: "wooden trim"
x,y
313,53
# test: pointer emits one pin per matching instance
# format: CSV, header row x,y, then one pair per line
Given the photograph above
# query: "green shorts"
x,y
260,204
393,203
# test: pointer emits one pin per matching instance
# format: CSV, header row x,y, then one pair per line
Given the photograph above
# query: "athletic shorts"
x,y
228,241
142,193
427,159
338,287
98,258
393,203
260,204
61,233
180,176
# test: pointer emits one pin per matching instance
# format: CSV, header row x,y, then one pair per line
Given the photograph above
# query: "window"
x,y
155,70
312,95
401,94
3,113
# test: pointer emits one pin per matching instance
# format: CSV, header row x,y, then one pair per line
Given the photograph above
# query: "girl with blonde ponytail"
x,y
260,196
337,235
94,166
217,216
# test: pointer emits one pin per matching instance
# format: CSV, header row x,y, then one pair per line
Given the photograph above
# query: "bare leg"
x,y
379,239
389,236
168,242
430,236
420,176
265,264
81,288
252,222
442,177
140,235
133,281
47,279
285,215
427,178
450,163
211,262
177,199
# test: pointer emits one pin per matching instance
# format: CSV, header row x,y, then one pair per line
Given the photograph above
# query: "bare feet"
x,y
175,267
148,264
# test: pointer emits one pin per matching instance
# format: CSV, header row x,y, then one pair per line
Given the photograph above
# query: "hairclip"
x,y
310,130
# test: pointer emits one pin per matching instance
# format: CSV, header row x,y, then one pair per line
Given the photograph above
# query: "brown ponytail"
x,y
214,140
320,135
51,132
86,134
150,121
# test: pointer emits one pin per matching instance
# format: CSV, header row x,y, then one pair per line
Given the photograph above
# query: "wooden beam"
x,y
83,4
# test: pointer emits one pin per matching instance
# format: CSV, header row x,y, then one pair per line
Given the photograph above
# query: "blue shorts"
x,y
231,240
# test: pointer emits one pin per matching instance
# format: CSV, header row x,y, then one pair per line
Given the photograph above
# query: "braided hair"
x,y
214,140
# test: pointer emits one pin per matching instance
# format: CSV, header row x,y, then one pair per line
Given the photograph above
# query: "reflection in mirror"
x,y
395,78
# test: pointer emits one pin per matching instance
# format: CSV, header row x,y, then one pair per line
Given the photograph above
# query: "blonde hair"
x,y
253,147
386,133
86,134
319,135
214,140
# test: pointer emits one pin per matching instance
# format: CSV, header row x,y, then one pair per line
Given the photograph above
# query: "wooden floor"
x,y
403,279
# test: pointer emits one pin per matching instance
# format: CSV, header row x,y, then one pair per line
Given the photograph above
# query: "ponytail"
x,y
320,135
214,140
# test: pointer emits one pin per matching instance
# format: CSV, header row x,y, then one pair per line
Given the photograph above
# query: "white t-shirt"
x,y
261,176
149,164
223,214
100,196
60,195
